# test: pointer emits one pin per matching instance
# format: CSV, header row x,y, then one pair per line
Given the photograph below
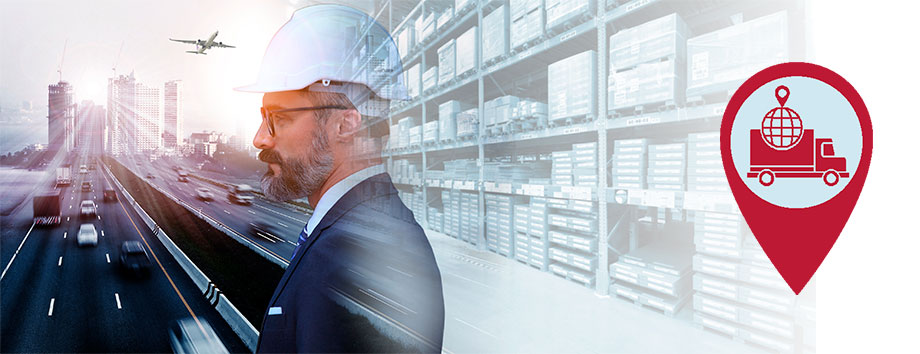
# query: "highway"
x,y
58,297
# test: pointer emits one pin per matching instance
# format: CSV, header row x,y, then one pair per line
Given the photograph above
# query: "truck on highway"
x,y
240,194
46,208
63,176
809,158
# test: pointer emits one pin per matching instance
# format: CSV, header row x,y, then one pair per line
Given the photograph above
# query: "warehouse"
x,y
578,141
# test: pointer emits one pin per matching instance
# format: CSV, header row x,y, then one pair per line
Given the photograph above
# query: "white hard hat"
x,y
336,46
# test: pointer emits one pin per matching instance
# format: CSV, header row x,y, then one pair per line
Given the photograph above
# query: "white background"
x,y
869,285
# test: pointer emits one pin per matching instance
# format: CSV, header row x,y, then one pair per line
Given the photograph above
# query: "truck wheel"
x,y
831,177
766,177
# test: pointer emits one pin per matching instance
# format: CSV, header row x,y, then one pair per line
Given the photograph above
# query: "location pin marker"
x,y
796,186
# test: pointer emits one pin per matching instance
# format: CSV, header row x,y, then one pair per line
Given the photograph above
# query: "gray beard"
x,y
298,178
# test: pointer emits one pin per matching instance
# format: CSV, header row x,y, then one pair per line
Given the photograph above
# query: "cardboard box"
x,y
447,60
467,51
659,38
568,81
495,34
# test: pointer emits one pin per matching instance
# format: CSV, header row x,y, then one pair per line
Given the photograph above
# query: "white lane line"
x,y
251,212
65,234
476,328
102,232
107,260
225,210
401,272
386,300
68,218
61,258
467,279
118,301
51,307
276,212
71,206
282,224
98,217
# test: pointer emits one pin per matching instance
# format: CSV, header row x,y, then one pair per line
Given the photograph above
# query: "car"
x,y
190,335
183,178
204,194
150,175
240,194
87,235
86,186
134,258
83,170
87,209
108,195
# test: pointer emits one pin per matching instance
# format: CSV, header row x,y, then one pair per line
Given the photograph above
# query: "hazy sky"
x,y
33,33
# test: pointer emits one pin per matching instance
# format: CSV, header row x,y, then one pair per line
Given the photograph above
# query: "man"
x,y
363,277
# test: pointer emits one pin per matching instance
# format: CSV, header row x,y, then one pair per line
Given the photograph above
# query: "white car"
x,y
186,336
87,235
204,194
87,208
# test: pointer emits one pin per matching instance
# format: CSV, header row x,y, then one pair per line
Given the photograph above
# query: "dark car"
x,y
183,178
108,195
87,187
134,258
263,230
150,175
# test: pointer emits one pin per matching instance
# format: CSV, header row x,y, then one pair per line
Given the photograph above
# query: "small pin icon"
x,y
796,170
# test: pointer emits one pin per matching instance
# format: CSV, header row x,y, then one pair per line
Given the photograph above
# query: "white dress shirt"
x,y
337,191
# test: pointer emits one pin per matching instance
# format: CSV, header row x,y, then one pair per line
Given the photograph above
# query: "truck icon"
x,y
809,158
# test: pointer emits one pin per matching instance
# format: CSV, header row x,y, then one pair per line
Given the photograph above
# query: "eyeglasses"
x,y
268,115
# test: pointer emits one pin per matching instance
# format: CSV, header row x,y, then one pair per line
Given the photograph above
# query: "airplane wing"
x,y
184,41
221,45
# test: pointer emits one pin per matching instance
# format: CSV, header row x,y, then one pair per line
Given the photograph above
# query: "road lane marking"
x,y
68,218
225,210
401,272
282,224
117,301
107,260
51,307
467,279
65,234
71,206
98,217
251,212
61,258
474,327
103,232
276,212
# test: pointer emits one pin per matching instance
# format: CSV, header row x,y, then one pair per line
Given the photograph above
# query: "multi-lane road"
x,y
58,297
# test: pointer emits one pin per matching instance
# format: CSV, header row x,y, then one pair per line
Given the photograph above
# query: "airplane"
x,y
203,45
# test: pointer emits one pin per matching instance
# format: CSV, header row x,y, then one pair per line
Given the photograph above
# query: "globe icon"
x,y
781,126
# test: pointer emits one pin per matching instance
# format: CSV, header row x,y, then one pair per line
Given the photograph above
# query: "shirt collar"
x,y
337,191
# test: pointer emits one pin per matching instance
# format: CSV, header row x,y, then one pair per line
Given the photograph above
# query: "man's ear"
x,y
345,128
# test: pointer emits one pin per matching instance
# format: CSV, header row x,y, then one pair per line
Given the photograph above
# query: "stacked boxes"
x,y
667,166
495,34
521,233
404,128
738,291
445,18
538,232
429,26
404,171
435,219
405,40
530,114
704,164
468,123
447,60
647,64
430,78
569,80
452,203
560,11
584,168
628,164
563,166
413,81
415,136
447,115
498,112
467,51
430,133
469,217
526,21
573,239
657,275
722,60
499,230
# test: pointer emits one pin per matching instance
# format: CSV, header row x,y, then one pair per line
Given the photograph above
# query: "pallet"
x,y
567,121
644,108
574,20
528,44
739,336
495,60
701,99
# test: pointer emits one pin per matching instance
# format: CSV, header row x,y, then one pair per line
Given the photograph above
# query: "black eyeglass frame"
x,y
268,114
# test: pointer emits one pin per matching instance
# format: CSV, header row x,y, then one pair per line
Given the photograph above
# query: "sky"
x,y
33,36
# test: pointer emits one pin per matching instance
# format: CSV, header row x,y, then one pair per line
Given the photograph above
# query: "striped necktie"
x,y
300,240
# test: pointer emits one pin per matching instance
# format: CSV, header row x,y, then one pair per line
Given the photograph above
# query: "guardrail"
x,y
240,325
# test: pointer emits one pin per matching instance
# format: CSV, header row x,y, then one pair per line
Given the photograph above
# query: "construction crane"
x,y
61,66
115,63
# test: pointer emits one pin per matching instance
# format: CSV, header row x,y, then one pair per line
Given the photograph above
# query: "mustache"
x,y
270,156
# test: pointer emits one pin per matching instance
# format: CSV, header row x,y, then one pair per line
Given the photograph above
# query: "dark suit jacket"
x,y
366,280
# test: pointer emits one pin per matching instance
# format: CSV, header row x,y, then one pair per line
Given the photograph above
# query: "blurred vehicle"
x,y
183,176
150,175
108,195
241,194
63,176
261,229
204,194
46,208
83,170
92,166
86,186
175,168
187,336
134,258
87,235
87,208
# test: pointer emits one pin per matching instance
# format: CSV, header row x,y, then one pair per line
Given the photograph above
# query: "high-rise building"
x,y
172,114
60,117
90,119
148,130
120,115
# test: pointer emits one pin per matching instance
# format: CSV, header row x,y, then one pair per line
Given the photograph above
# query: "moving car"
x,y
186,336
86,186
241,194
183,176
150,175
134,258
87,235
204,194
83,170
264,230
87,209
108,195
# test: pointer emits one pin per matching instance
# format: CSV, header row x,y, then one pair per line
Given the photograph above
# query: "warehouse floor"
x,y
497,304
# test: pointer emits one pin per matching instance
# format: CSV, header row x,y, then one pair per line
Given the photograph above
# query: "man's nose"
x,y
263,140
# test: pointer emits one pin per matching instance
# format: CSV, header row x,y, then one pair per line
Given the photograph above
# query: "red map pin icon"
x,y
796,174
